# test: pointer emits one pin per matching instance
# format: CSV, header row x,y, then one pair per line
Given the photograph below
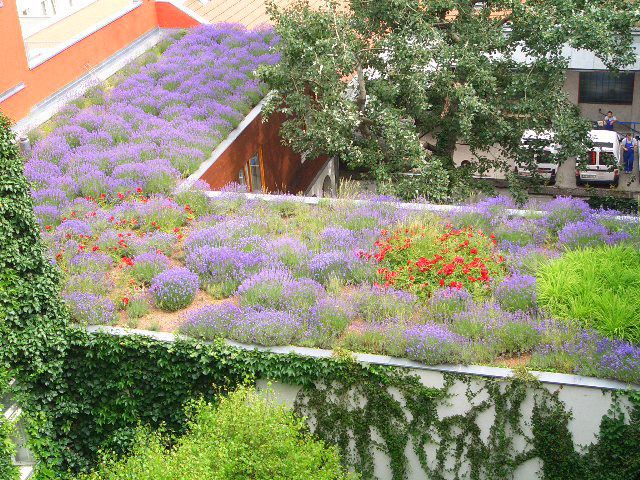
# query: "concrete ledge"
x,y
473,370
430,207
11,92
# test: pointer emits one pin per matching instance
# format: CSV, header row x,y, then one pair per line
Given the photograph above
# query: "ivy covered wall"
x,y
113,383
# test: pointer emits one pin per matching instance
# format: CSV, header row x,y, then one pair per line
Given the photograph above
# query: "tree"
x,y
367,80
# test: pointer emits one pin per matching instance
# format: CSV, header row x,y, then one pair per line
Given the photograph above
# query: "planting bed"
x,y
476,285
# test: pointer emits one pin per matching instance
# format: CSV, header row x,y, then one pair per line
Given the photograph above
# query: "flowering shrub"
x,y
588,233
588,353
90,309
174,289
222,269
517,292
421,260
376,304
445,302
433,343
212,321
148,265
277,289
563,210
268,327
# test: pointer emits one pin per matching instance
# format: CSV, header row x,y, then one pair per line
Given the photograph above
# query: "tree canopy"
x,y
391,86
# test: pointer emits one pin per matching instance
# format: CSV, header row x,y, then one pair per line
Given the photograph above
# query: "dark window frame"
x,y
609,88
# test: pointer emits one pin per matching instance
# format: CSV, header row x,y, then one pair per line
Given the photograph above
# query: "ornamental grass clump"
x,y
421,259
90,309
517,292
148,265
174,289
595,287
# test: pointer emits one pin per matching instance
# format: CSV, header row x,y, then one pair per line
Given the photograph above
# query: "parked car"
x,y
546,164
603,160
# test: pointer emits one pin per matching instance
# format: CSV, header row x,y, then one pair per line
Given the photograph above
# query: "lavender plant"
x,y
174,289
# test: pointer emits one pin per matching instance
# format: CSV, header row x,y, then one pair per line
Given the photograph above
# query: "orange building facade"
x,y
23,86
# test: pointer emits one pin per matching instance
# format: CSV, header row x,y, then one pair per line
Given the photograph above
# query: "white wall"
x,y
624,113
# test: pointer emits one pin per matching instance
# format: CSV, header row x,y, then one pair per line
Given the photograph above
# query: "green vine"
x,y
8,470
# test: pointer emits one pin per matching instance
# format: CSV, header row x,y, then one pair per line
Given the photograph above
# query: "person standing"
x,y
609,120
628,152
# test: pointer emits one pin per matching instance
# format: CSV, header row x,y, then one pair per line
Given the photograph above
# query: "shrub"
x,y
90,309
517,292
376,304
245,435
421,259
174,289
137,306
268,327
148,265
445,302
327,321
276,289
563,210
588,233
222,267
212,321
433,343
597,287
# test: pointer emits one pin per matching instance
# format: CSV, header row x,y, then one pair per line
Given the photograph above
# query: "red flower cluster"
x,y
421,259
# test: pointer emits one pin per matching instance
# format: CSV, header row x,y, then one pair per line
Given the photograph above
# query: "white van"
x,y
546,165
603,160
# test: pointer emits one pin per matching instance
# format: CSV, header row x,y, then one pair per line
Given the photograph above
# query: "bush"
x,y
422,259
596,286
244,436
148,265
174,289
90,309
517,292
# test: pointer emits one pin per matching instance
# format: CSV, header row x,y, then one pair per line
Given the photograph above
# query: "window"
x,y
250,175
606,87
254,172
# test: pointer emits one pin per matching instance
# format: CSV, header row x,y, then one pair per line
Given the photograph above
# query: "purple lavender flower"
x,y
588,233
277,289
212,321
445,302
563,210
147,265
223,265
268,327
433,344
91,309
174,289
90,262
517,292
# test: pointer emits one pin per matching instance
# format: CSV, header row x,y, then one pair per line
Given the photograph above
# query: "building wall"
x,y
170,16
283,170
47,78
624,113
